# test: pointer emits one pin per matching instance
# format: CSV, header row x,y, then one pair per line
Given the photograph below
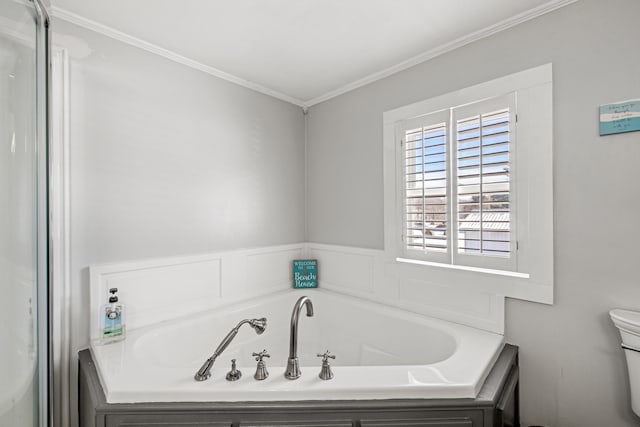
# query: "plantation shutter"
x,y
483,164
483,180
457,171
424,169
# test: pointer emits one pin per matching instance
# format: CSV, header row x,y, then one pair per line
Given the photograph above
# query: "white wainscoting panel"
x,y
167,285
162,289
346,269
478,309
269,272
373,275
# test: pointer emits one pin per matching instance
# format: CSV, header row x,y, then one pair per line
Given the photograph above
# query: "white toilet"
x,y
628,322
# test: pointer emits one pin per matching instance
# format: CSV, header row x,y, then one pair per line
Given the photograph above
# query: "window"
x,y
456,172
469,187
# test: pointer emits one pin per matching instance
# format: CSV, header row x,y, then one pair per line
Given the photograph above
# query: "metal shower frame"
x,y
44,246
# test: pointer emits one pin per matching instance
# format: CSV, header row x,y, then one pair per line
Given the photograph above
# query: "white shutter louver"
x,y
483,184
425,172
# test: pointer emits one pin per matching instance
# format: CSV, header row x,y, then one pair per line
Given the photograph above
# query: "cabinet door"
x,y
298,424
433,422
166,420
430,422
171,424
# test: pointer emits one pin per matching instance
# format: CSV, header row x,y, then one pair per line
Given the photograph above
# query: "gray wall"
x,y
167,160
573,372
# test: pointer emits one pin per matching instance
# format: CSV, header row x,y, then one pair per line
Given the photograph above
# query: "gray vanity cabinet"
x,y
495,406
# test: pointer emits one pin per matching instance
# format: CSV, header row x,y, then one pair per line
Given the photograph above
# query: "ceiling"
x,y
303,51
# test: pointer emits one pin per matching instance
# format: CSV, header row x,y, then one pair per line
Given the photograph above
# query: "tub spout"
x,y
259,325
293,366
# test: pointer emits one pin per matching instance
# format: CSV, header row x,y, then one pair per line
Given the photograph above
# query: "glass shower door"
x,y
21,151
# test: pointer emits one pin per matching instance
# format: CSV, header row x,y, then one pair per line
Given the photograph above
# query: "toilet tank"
x,y
628,324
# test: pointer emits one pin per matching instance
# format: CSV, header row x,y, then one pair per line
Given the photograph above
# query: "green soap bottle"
x,y
112,324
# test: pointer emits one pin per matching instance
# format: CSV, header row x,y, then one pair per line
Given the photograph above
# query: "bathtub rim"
x,y
467,388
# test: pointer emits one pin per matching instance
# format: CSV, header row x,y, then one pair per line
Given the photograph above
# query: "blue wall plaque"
x,y
305,273
620,117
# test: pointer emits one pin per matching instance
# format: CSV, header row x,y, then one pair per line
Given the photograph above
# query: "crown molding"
x,y
442,49
105,30
418,59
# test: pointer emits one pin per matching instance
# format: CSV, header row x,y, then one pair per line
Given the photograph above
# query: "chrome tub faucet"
x,y
259,325
293,366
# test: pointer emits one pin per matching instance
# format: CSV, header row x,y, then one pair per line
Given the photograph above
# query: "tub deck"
x,y
495,405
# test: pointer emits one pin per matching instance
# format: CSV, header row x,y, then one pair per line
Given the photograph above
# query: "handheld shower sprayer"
x,y
259,325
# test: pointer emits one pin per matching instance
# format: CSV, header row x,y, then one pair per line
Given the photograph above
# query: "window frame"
x,y
534,195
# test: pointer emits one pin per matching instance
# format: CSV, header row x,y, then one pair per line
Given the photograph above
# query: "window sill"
x,y
464,268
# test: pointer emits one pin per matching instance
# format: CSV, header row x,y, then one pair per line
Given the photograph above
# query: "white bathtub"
x,y
381,353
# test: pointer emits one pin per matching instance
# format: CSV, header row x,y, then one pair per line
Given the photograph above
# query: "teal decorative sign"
x,y
620,117
305,273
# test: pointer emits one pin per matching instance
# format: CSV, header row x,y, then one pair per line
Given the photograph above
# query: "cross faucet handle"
x,y
261,355
326,356
325,372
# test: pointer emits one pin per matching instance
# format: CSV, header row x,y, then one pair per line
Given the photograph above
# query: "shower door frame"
x,y
44,270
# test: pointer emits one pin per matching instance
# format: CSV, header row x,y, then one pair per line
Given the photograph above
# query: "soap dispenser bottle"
x,y
112,325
